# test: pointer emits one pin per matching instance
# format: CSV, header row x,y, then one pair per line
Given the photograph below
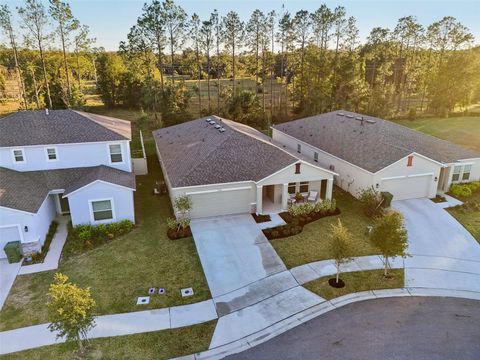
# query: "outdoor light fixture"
x,y
377,185
436,178
25,229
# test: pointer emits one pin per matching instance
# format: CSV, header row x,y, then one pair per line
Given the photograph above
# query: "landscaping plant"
x,y
371,200
70,310
390,236
341,247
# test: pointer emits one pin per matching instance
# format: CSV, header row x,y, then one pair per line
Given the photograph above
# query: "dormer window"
x,y
116,153
18,156
51,153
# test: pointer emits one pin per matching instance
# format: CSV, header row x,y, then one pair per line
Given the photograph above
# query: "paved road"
x,y
417,328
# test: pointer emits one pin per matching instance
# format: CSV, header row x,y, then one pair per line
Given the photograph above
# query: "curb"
x,y
289,323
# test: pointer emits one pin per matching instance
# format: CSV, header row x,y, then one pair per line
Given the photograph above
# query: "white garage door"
x,y
225,202
7,234
408,187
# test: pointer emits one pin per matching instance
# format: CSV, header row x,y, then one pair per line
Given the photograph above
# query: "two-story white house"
x,y
62,162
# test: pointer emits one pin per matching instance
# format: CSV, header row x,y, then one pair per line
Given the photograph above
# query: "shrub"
x,y
171,223
461,190
371,200
91,236
301,209
474,186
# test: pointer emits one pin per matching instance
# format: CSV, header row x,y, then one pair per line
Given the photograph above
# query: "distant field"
x,y
463,131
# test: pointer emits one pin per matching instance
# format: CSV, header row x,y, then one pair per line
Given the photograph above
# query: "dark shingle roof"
x,y
371,146
195,153
26,191
60,127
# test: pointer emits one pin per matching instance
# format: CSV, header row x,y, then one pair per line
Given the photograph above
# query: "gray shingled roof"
x,y
26,191
195,153
371,146
60,127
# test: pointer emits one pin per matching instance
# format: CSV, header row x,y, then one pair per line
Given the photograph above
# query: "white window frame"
x,y
92,218
110,154
315,156
459,173
56,153
469,172
292,185
23,156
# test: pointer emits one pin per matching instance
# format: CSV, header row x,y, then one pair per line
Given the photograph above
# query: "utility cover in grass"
x,y
186,292
143,300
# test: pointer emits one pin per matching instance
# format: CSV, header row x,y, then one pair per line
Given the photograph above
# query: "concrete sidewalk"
x,y
54,252
113,325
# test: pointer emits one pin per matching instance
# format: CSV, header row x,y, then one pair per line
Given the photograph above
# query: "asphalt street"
x,y
413,328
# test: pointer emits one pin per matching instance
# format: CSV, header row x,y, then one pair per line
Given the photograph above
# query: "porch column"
x,y
259,199
328,193
285,196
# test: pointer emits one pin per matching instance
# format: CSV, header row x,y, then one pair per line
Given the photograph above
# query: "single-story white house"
x,y
228,168
62,162
370,152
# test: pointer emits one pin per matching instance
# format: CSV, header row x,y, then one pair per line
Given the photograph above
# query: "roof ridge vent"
x,y
211,122
217,126
349,116
340,114
46,111
371,121
221,129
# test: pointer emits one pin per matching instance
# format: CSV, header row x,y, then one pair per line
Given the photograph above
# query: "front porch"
x,y
276,198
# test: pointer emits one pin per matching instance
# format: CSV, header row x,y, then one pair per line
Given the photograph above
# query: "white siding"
x,y
420,166
37,224
80,211
68,155
351,178
287,175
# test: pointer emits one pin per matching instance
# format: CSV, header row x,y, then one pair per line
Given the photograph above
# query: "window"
x,y
297,168
466,172
116,153
299,148
410,160
51,154
292,188
456,173
18,155
315,156
102,210
304,187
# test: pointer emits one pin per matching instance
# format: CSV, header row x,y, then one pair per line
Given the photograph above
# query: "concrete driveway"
x,y
444,253
8,273
234,252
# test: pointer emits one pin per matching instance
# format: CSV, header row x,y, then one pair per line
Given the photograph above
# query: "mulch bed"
x,y
333,283
261,218
174,234
438,199
295,224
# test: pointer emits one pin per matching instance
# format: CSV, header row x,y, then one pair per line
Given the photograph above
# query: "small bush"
x,y
461,190
371,200
91,236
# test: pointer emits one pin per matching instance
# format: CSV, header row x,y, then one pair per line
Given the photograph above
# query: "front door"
x,y
64,206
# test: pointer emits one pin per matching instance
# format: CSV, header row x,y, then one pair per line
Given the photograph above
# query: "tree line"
x,y
299,63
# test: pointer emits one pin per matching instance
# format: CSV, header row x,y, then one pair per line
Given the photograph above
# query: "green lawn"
x,y
154,345
123,269
468,214
463,131
313,243
357,281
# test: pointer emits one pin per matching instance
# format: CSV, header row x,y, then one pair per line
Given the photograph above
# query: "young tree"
x,y
390,236
6,25
206,42
233,35
82,43
35,20
341,246
70,309
175,23
62,14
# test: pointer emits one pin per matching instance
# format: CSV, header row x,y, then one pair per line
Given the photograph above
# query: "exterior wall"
x,y
474,174
420,165
37,224
123,206
307,173
351,178
69,155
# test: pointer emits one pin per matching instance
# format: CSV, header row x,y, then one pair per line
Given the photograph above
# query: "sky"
x,y
110,20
